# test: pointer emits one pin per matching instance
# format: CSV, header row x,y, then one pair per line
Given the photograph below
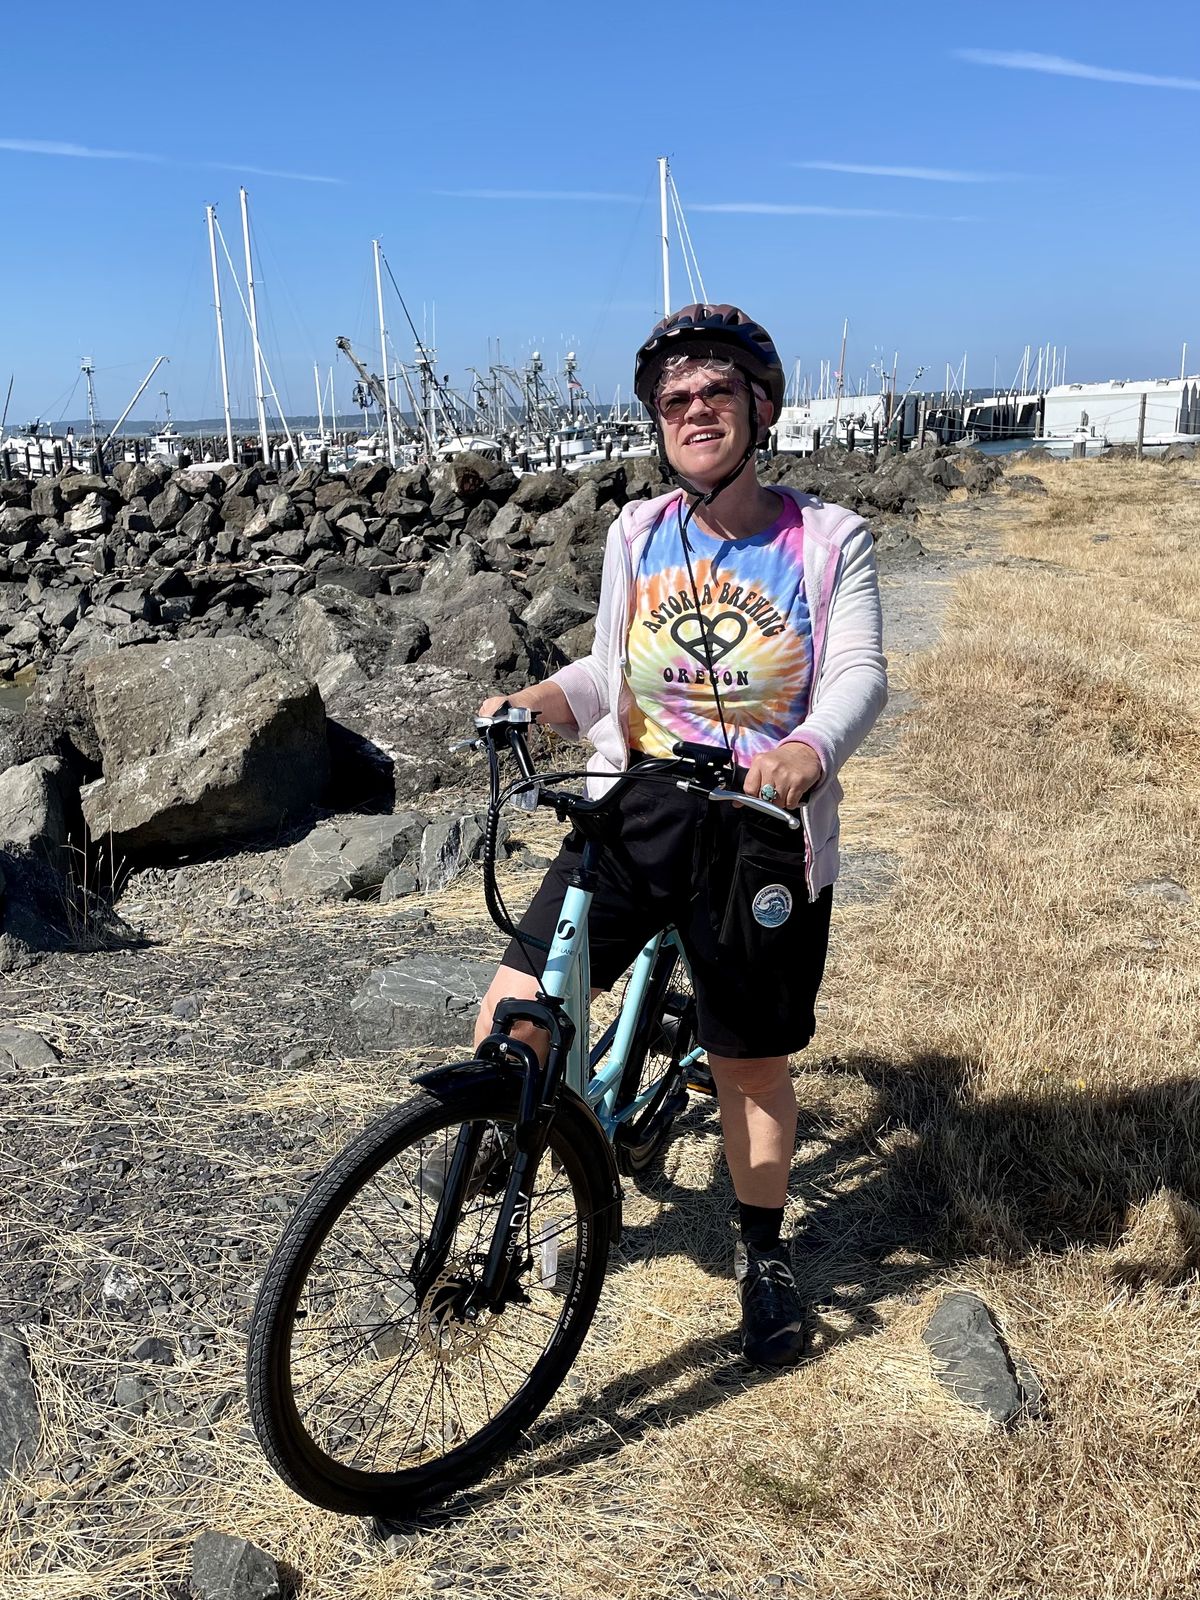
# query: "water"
x,y
14,695
1002,447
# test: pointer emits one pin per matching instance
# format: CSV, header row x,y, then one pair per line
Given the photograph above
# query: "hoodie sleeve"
x,y
585,683
851,687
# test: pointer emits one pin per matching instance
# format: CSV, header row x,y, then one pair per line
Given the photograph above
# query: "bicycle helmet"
x,y
722,332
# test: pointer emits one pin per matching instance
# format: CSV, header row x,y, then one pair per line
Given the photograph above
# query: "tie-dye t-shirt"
x,y
754,612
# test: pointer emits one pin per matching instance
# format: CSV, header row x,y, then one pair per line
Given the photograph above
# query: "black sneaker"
x,y
774,1324
490,1165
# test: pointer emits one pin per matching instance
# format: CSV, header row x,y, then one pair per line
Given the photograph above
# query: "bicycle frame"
x,y
567,978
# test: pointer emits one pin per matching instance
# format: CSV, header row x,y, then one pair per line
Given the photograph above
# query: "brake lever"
x,y
776,813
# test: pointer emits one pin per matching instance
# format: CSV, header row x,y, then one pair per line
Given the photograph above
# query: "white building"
x,y
1111,409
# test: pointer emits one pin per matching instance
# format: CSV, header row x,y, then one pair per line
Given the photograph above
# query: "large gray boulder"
x,y
201,742
32,810
421,1000
330,621
394,730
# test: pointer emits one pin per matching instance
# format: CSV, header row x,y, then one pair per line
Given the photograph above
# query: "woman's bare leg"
x,y
758,1121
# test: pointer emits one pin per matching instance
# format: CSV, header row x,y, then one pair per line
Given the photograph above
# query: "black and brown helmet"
x,y
721,333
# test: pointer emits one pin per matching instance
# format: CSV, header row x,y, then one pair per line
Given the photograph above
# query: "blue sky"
x,y
948,177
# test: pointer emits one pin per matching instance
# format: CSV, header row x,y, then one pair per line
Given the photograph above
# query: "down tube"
x,y
568,978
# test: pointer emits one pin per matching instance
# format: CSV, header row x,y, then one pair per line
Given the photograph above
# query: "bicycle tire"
x,y
281,1374
665,1036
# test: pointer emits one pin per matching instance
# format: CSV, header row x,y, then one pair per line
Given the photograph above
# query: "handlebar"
x,y
706,762
508,727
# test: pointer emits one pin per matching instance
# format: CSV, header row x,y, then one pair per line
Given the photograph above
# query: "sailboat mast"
x,y
259,397
387,388
332,406
210,213
320,411
86,367
841,373
666,244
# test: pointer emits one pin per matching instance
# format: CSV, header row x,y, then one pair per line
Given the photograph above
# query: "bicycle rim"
x,y
376,1386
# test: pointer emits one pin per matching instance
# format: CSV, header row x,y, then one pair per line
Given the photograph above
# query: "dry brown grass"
x,y
1002,1096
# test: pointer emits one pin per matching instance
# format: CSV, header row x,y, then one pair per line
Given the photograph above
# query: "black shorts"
x,y
733,885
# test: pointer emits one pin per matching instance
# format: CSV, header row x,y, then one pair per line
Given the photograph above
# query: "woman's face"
x,y
705,433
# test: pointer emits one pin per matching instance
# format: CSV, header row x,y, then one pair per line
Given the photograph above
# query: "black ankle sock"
x,y
761,1225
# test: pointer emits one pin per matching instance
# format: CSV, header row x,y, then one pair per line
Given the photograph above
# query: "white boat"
x,y
32,452
477,443
1057,444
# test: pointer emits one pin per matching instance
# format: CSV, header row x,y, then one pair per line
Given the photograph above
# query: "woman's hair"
x,y
720,364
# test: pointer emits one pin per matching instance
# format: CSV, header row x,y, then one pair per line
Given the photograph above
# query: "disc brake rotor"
x,y
450,1324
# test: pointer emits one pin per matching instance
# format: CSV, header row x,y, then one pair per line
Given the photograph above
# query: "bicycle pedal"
x,y
700,1080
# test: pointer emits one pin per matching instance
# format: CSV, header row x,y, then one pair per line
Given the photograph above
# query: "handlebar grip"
x,y
705,755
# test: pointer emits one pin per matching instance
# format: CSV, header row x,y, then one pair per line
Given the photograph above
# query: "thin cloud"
x,y
54,147
83,152
266,172
767,208
1060,67
922,174
538,194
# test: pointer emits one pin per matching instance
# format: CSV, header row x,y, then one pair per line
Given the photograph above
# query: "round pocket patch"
x,y
772,906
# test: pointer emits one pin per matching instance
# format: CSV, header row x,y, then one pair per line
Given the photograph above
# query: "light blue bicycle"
x,y
435,1284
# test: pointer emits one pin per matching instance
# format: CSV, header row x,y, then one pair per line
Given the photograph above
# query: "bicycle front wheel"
x,y
378,1387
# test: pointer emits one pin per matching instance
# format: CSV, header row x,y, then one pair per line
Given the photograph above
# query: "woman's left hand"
x,y
792,769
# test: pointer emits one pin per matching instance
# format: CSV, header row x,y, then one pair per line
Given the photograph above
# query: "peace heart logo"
x,y
724,633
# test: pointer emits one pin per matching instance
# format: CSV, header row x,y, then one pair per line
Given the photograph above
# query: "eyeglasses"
x,y
719,396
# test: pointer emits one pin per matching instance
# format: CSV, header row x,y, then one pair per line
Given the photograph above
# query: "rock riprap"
x,y
90,564
201,742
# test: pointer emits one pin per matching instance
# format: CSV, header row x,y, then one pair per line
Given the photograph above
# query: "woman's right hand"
x,y
493,703
547,699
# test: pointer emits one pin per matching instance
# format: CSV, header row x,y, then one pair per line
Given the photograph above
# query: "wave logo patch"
x,y
772,906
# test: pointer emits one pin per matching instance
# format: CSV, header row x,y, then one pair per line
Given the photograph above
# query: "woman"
x,y
742,616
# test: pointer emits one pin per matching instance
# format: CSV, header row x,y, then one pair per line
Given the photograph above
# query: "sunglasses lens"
x,y
716,396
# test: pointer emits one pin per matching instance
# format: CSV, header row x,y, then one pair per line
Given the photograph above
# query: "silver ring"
x,y
768,792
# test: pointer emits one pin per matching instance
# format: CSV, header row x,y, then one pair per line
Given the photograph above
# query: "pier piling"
x,y
5,465
850,437
58,458
1141,437
874,438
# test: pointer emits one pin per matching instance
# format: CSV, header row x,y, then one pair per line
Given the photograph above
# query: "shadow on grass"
x,y
930,1178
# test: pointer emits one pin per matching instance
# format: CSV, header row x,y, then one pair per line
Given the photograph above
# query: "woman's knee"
x,y
510,984
756,1078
